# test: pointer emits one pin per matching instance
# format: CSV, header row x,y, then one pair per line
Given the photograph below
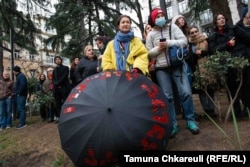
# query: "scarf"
x,y
200,42
122,52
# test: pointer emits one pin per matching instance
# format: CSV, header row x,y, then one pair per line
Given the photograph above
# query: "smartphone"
x,y
162,39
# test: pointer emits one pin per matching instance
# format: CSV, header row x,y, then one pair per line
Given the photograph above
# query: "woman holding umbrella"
x,y
126,52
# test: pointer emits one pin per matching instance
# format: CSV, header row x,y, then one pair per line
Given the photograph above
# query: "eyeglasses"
x,y
192,32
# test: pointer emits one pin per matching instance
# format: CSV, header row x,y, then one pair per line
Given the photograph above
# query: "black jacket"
x,y
61,77
243,34
218,42
85,68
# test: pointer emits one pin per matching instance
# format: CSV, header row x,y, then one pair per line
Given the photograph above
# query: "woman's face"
x,y
99,44
124,25
76,60
181,21
42,77
89,52
220,20
148,29
193,32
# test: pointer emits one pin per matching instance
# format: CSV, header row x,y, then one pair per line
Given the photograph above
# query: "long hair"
x,y
73,64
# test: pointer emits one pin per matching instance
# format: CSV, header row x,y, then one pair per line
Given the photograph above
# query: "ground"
x,y
39,144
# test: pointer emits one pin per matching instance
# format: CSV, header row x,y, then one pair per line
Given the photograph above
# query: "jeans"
x,y
180,78
6,112
21,110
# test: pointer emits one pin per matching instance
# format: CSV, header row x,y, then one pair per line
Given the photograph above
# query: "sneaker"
x,y
7,127
192,126
175,130
20,126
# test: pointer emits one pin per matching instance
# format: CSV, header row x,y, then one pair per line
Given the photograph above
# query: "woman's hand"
x,y
99,57
162,46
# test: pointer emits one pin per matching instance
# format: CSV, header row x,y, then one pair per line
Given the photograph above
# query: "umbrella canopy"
x,y
110,112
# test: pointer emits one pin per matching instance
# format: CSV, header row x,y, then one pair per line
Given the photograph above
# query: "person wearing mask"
x,y
158,41
126,52
21,92
60,79
88,64
72,72
198,50
6,95
223,38
242,30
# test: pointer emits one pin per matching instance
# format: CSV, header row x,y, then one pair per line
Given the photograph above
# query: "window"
x,y
183,7
49,59
32,57
169,12
206,16
16,54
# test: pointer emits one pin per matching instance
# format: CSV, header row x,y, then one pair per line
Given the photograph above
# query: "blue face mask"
x,y
160,22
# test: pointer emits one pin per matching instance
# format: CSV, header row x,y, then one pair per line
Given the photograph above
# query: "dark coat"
x,y
85,68
21,86
61,77
73,77
243,34
218,42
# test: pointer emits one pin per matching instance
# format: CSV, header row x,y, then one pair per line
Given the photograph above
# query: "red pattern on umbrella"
x,y
69,109
81,87
72,96
91,160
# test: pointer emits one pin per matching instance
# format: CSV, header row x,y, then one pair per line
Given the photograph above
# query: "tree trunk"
x,y
221,6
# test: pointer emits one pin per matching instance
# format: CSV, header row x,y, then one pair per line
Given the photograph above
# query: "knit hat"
x,y
16,69
244,12
155,12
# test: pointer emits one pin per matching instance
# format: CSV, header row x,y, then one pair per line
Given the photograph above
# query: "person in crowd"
x,y
126,52
158,48
72,71
181,22
6,96
242,30
41,88
147,29
88,64
20,93
198,49
224,38
101,43
49,87
60,79
151,65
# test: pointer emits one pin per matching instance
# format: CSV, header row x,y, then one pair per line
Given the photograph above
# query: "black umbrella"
x,y
110,112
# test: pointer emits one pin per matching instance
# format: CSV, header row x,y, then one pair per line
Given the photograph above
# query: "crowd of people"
x,y
149,57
